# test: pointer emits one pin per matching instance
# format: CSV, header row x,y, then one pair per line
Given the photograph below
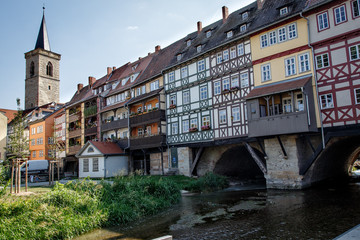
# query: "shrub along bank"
x,y
77,207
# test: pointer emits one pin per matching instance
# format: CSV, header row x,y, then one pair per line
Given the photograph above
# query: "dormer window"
x,y
188,43
178,57
283,11
134,67
198,48
243,28
208,34
229,34
245,15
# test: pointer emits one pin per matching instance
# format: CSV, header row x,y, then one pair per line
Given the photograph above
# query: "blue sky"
x,y
91,35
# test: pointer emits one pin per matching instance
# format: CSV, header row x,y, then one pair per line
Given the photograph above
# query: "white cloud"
x,y
132,28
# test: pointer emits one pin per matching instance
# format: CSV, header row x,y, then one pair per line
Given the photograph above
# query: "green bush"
x,y
208,183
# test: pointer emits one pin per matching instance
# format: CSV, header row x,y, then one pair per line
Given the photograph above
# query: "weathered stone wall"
x,y
155,163
41,88
184,160
283,172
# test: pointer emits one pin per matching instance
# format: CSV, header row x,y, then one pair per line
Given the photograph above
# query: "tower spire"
x,y
43,39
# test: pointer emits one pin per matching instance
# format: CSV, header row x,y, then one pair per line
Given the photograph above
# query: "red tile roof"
x,y
107,148
275,88
10,114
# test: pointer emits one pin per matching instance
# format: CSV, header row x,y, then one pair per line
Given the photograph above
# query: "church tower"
x,y
42,80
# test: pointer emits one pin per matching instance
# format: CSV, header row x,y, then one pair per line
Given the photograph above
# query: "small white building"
x,y
101,160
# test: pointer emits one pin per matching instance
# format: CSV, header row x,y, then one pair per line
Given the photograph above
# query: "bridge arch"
x,y
231,161
337,159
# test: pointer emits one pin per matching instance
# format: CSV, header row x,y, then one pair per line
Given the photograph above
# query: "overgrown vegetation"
x,y
79,206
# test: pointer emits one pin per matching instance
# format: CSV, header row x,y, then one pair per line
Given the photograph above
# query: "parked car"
x,y
36,167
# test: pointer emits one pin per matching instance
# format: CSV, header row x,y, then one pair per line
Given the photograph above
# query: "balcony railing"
x,y
74,133
147,142
279,124
74,117
121,123
90,131
90,111
148,117
74,149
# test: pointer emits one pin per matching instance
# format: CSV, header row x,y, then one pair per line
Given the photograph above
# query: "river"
x,y
251,212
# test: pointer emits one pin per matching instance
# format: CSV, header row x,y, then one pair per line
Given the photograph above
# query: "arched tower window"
x,y
32,69
49,69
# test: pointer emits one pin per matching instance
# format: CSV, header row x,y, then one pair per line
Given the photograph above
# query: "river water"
x,y
251,212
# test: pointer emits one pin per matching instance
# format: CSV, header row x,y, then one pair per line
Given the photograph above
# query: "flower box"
x,y
193,130
234,89
155,108
172,106
225,91
205,128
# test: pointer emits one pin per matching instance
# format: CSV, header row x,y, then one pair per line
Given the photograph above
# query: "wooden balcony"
x,y
74,117
90,131
288,123
74,149
146,118
121,123
147,142
75,133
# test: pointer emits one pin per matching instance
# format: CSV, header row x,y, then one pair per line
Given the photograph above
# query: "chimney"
x,y
225,13
91,81
114,68
199,27
157,48
149,54
260,4
79,87
139,58
109,70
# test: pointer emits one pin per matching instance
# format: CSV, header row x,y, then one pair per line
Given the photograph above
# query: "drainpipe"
x,y
315,76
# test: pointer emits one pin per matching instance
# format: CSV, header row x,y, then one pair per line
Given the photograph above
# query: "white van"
x,y
36,166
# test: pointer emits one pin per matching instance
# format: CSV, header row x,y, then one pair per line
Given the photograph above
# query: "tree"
x,y
17,149
55,148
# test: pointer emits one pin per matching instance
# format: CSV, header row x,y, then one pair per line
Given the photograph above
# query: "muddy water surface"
x,y
251,212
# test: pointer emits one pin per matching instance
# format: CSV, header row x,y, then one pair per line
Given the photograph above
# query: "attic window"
x,y
178,57
90,149
245,15
188,43
283,11
134,67
208,34
198,48
229,34
243,28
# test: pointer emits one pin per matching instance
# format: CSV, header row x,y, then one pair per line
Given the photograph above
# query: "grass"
x,y
67,210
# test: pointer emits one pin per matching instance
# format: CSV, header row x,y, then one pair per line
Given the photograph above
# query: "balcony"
x,y
148,117
74,149
74,133
91,131
117,124
288,123
147,142
74,117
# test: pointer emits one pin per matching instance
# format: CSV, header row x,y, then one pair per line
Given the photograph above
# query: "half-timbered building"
x,y
334,35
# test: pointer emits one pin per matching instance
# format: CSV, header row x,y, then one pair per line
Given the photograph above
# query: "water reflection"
x,y
318,213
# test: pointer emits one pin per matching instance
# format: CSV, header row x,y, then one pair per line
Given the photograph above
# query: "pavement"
x,y
352,234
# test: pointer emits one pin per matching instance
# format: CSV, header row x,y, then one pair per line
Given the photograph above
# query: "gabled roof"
x,y
106,148
218,35
10,114
43,39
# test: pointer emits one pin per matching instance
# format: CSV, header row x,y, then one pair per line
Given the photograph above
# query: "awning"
x,y
280,87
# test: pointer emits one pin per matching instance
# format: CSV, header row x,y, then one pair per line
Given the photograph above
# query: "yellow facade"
x,y
276,55
257,52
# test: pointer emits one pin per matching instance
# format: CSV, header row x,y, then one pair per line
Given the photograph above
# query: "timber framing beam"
x,y
257,159
282,147
197,158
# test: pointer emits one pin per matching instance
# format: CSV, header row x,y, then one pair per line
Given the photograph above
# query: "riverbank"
x,y
71,209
